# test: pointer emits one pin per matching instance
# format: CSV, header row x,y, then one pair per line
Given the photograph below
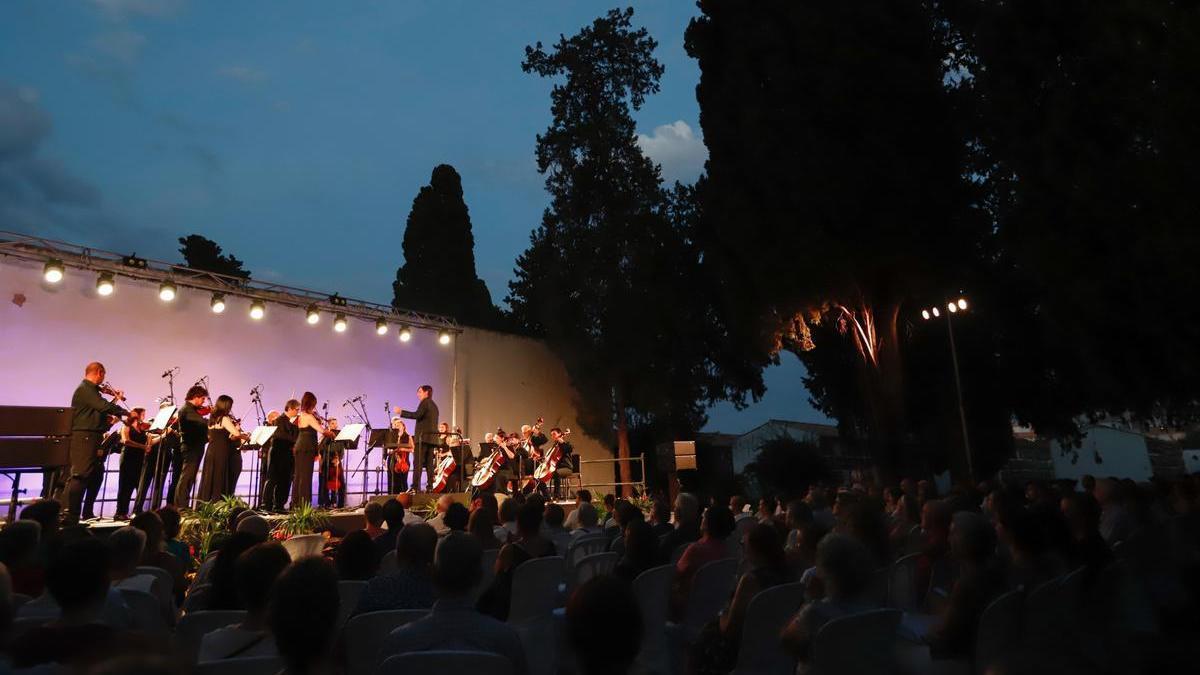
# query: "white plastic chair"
x,y
349,591
197,598
535,588
652,589
195,625
364,635
594,565
475,663
902,583
146,611
164,577
304,545
999,630
711,587
588,544
858,644
760,651
256,665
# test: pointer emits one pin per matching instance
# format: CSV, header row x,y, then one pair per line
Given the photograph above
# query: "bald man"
x,y
91,416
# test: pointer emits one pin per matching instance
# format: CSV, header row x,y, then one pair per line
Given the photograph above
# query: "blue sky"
x,y
296,134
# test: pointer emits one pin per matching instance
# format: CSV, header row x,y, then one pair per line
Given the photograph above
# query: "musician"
x,y
136,445
311,427
566,461
281,463
193,430
91,416
159,461
223,460
425,430
331,453
401,458
532,440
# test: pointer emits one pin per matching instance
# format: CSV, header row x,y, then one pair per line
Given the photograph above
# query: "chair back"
x,y
349,591
739,534
588,544
902,583
535,588
195,625
24,624
999,630
652,589
364,634
387,564
304,545
251,665
164,577
475,663
594,565
840,646
1041,610
710,590
677,552
146,611
197,598
19,599
760,651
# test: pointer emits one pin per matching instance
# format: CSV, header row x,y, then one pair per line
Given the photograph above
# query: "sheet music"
x,y
262,434
162,418
350,432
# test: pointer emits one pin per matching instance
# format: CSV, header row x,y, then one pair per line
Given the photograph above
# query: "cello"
x,y
546,466
485,473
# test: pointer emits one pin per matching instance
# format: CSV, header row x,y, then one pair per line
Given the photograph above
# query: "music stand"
x,y
260,436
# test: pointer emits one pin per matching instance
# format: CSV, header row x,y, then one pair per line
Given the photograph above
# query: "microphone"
x,y
345,403
387,408
169,371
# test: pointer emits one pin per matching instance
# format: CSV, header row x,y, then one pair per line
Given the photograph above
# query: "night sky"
x,y
296,134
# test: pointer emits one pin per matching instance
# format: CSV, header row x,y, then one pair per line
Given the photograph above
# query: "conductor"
x,y
425,433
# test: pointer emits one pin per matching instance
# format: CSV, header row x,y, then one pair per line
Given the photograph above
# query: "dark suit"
x,y
426,436
193,429
89,421
282,464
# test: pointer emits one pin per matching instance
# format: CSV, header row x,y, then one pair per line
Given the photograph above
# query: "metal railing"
x,y
641,484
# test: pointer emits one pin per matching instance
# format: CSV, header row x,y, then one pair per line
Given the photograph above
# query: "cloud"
x,y
122,46
23,123
243,74
119,9
679,151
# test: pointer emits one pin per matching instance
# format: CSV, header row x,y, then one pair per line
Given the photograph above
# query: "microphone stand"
x,y
359,406
257,470
161,458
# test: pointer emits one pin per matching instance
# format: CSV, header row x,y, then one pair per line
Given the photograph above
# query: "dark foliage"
x,y
201,253
786,467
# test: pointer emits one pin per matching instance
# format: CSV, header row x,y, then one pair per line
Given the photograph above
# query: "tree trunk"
x,y
625,471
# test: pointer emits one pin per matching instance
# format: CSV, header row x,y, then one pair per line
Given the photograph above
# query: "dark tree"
x,y
835,197
610,277
439,274
785,467
201,253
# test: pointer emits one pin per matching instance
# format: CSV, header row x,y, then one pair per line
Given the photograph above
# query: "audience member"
x,y
609,602
1032,563
481,525
529,544
172,526
224,594
410,517
552,527
588,521
716,525
453,622
844,567
767,506
687,524
641,551
355,558
303,616
393,515
8,612
582,497
410,586
255,573
933,566
818,500
156,554
610,508
661,517
438,521
1116,524
19,553
508,519
972,546
456,519
737,506
373,517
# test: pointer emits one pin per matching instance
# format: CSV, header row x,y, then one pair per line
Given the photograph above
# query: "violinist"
x,y
223,460
331,483
193,429
136,445
91,416
311,428
401,460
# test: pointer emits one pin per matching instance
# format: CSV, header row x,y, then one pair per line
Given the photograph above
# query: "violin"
x,y
109,390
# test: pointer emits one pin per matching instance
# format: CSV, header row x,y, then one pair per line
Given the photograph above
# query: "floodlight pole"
x,y
962,415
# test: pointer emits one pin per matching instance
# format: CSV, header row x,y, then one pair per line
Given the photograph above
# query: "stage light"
x,y
257,310
166,291
312,316
935,311
925,314
380,327
339,323
952,307
405,334
104,283
132,260
218,303
53,271
337,300
444,337
962,303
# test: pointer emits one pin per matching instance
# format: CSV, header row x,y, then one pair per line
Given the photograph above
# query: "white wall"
x,y
49,333
1122,454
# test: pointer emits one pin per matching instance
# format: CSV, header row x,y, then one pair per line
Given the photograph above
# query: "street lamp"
x,y
953,307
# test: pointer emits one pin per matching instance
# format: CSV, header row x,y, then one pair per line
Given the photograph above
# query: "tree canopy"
x,y
201,253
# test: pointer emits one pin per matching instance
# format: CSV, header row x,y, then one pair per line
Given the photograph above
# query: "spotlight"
x,y
218,303
925,314
257,310
952,307
381,327
132,260
337,300
444,337
405,334
166,291
312,316
962,303
339,323
104,283
935,311
53,271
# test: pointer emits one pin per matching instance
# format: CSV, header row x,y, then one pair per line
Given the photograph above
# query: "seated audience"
x,y
933,566
844,567
437,522
453,622
1116,523
979,582
355,558
255,573
224,594
373,515
528,544
19,552
589,520
582,497
303,616
172,526
552,526
640,552
456,519
865,522
661,522
766,509
410,586
1032,562
156,554
716,525
393,515
610,508
818,500
609,602
410,517
1087,548
508,519
481,525
687,524
797,516
737,506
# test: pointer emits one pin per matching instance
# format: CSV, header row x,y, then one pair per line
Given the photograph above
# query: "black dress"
x,y
214,481
305,450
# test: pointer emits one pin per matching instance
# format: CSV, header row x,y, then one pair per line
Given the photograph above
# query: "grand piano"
x,y
33,439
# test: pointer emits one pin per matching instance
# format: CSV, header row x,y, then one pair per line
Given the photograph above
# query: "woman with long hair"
x,y
401,460
222,459
311,427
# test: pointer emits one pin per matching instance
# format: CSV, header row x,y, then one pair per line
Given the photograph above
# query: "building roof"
x,y
811,427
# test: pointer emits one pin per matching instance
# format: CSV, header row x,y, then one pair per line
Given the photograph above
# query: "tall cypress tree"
x,y
438,274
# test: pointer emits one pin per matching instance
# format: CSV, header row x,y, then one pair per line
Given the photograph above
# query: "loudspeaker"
x,y
685,455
